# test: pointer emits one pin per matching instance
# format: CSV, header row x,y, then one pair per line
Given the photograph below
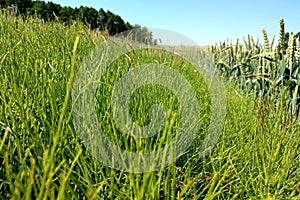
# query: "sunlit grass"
x,y
42,157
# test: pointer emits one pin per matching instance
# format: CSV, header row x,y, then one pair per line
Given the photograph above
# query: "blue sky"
x,y
206,22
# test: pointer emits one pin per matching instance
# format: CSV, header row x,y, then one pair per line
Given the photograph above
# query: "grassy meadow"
x,y
42,156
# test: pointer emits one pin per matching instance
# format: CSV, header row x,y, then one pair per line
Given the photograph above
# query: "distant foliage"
x,y
101,19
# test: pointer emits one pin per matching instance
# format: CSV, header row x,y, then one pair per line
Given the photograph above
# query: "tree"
x,y
22,5
67,14
143,35
40,9
115,23
53,9
89,16
103,20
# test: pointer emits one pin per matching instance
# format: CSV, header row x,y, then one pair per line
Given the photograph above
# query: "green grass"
x,y
145,97
42,156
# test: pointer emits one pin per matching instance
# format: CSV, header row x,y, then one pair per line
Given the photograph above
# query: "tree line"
x,y
95,19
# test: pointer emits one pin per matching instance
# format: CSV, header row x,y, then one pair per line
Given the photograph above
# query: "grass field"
x,y
43,157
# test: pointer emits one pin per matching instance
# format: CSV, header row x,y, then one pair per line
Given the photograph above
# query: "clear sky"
x,y
206,22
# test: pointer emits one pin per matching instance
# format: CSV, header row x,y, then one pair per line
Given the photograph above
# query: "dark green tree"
x,y
54,10
40,9
103,20
89,16
68,14
115,23
22,5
